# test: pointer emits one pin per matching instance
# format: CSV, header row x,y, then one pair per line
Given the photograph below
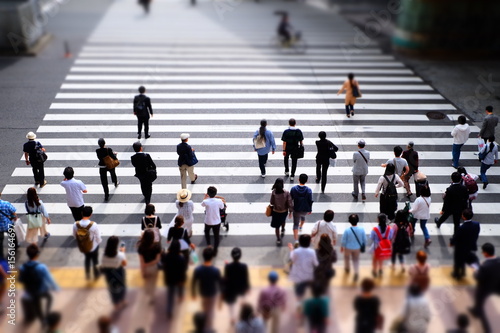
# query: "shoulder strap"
x,y
387,229
393,177
363,156
89,226
426,202
357,239
378,233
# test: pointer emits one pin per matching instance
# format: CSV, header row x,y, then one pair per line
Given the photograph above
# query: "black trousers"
x,y
116,281
262,163
103,172
294,163
216,229
34,308
38,172
92,258
143,120
77,212
321,173
456,219
147,189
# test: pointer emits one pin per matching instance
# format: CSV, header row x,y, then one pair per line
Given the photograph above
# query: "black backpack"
x,y
31,279
402,242
390,191
140,107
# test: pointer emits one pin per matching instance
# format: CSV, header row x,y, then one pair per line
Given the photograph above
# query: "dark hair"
x,y
178,221
322,135
208,253
262,129
236,254
104,324
467,213
488,248
303,178
137,146
491,139
329,215
211,191
111,249
175,246
278,186
367,285
425,191
361,144
489,108
382,222
401,217
246,312
350,76
353,219
456,177
147,240
462,120
414,290
292,122
87,211
53,319
398,151
32,251
461,170
199,319
101,142
305,240
32,197
142,89
68,172
150,209
390,169
462,321
325,247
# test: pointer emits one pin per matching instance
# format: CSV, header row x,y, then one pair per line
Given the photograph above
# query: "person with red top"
x,y
382,250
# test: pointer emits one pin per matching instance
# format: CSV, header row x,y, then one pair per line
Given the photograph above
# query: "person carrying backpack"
x,y
402,243
142,109
381,237
38,282
488,156
469,180
389,197
88,238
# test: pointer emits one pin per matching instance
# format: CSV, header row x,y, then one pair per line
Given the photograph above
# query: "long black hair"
x,y
382,222
111,249
278,186
262,129
350,76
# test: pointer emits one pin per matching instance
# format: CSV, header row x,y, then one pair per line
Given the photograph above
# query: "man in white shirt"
x,y
212,206
94,234
74,192
400,163
324,227
304,261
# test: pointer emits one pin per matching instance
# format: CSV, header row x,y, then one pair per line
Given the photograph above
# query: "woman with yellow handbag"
x,y
37,217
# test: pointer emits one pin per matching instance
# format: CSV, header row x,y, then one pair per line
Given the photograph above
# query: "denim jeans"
x,y
484,168
423,226
455,153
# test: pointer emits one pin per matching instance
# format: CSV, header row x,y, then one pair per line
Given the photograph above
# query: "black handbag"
x,y
151,175
299,152
332,149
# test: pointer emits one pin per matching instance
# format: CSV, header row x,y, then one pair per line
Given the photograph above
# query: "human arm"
x,y
341,90
379,186
399,182
152,164
96,234
124,258
271,140
315,228
149,106
26,157
44,212
483,127
47,278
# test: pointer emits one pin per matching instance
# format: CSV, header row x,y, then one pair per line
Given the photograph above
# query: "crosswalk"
x,y
217,85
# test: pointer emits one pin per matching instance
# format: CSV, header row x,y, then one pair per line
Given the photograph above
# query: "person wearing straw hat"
x,y
30,148
186,161
185,208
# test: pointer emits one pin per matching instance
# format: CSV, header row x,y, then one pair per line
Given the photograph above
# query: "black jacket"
x,y
102,153
323,155
185,153
142,163
465,239
146,111
456,197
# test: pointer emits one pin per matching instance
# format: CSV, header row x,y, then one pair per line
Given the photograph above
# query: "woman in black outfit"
x,y
236,282
367,308
174,268
324,272
177,232
326,150
102,152
113,266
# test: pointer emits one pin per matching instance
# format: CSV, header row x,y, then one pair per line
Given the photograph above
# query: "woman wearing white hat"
x,y
32,158
185,208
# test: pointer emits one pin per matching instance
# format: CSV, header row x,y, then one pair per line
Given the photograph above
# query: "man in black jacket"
x,y
142,109
186,160
465,242
454,202
488,282
145,170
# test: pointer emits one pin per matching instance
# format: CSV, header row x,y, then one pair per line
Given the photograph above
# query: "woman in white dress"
x,y
185,208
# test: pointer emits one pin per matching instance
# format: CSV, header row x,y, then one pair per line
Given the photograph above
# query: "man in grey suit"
x,y
360,169
489,124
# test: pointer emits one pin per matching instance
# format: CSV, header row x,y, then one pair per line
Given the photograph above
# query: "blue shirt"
x,y
270,144
44,273
6,208
349,240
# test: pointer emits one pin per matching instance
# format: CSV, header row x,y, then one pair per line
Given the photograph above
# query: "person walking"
x,y
30,150
316,310
177,232
212,221
401,166
282,204
113,265
411,157
489,124
151,221
292,141
469,180
263,143
149,255
145,4
420,271
367,307
185,208
416,313
455,200
175,267
352,92
88,238
401,243
490,152
324,226
460,134
102,153
186,161
353,241
207,280
421,211
304,261
145,170
464,241
326,150
74,193
381,237
488,277
236,282
249,322
272,302
38,284
8,217
302,204
142,107
35,206
389,197
360,161
324,272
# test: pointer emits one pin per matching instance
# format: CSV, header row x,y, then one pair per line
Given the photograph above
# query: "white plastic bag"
x,y
20,231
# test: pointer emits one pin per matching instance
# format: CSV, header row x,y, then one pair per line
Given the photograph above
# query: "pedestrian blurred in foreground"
x,y
175,267
271,303
113,266
8,217
282,205
462,323
105,325
102,153
249,321
416,313
199,323
263,143
179,233
54,322
4,268
37,211
327,256
149,256
31,155
38,284
353,241
465,242
236,282
88,238
381,237
367,307
316,310
304,261
351,88
420,272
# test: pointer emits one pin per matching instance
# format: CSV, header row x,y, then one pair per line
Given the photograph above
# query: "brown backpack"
x,y
83,238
